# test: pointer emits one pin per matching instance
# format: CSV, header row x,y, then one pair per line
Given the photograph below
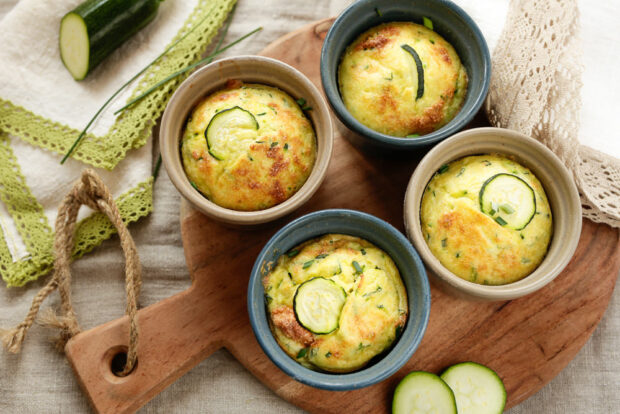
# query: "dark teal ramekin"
x,y
384,236
449,20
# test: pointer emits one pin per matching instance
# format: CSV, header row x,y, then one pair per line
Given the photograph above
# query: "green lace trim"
x,y
35,231
133,126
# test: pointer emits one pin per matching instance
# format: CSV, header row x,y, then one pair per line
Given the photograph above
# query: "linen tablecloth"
x,y
41,381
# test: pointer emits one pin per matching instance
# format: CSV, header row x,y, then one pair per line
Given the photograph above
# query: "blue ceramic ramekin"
x,y
449,20
384,236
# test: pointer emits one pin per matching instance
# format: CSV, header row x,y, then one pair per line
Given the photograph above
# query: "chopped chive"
x,y
457,255
362,346
443,169
380,307
398,330
193,184
261,114
377,290
301,101
302,353
328,354
286,146
378,12
260,142
363,252
250,158
391,77
413,135
358,268
507,208
500,221
525,260
308,264
274,144
290,276
474,274
461,172
322,256
293,253
432,41
428,23
444,243
522,236
268,299
485,162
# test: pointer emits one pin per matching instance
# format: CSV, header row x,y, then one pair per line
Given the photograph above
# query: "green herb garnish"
x,y
328,354
500,221
286,147
308,264
322,256
358,268
444,243
443,169
261,114
378,12
412,135
363,251
428,23
293,253
377,290
302,353
274,144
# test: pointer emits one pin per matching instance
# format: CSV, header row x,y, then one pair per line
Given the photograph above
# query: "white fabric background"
x,y
40,380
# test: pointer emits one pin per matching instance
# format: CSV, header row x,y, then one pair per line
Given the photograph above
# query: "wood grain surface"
x,y
526,341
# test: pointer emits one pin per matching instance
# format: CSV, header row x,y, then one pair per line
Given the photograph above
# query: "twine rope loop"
x,y
92,192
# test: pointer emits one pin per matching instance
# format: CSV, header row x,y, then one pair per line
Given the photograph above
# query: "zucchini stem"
x,y
185,69
119,90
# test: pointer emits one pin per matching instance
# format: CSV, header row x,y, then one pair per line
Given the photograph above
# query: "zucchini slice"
x,y
423,392
228,126
318,303
509,200
477,389
419,68
95,28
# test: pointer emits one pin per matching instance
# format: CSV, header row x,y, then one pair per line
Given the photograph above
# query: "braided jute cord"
x,y
90,191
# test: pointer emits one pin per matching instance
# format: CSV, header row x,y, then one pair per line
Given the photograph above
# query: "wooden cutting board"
x,y
526,341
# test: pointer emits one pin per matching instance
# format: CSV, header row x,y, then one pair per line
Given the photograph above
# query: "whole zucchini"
x,y
95,28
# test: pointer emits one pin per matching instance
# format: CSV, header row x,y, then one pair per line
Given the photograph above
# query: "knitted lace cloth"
x,y
43,110
535,89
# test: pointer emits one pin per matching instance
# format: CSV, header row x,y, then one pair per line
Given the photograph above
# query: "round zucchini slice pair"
x,y
466,388
318,303
232,122
509,200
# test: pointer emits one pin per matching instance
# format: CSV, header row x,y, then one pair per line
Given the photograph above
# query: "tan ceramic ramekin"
x,y
556,180
212,77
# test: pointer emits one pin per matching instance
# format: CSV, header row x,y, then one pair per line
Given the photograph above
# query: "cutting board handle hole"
x,y
118,363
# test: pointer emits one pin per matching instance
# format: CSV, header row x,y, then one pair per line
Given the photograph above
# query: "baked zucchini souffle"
x,y
487,219
402,79
248,147
335,302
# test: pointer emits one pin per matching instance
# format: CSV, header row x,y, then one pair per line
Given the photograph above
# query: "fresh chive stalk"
x,y
184,70
123,86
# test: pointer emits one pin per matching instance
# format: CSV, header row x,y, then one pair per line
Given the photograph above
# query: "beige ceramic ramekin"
x,y
556,180
212,77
